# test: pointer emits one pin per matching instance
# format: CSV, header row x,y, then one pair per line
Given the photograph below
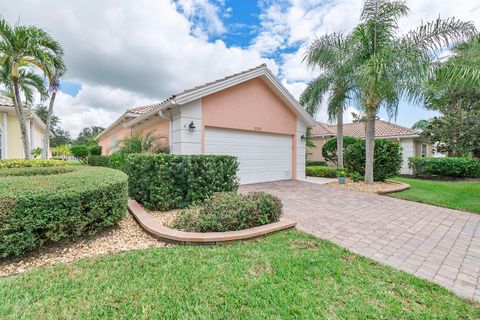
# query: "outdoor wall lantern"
x,y
303,138
191,126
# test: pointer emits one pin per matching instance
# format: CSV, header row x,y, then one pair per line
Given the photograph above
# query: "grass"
x,y
461,195
289,275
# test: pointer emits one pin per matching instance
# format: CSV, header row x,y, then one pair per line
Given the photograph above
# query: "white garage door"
x,y
262,156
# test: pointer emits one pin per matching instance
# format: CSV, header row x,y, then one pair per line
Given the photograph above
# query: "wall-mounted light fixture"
x,y
303,138
191,126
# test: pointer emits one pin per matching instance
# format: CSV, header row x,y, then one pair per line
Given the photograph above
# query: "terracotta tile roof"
x,y
383,129
147,108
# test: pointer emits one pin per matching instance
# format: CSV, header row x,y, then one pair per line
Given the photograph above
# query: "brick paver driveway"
x,y
439,244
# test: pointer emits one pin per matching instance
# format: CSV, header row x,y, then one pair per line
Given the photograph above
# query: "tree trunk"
x,y
46,137
369,145
340,138
21,120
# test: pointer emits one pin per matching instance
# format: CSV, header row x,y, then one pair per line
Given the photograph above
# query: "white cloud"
x,y
203,15
144,48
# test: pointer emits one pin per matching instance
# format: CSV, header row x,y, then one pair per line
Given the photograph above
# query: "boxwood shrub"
x,y
445,167
387,159
23,163
33,171
321,171
310,163
44,208
229,211
99,161
168,181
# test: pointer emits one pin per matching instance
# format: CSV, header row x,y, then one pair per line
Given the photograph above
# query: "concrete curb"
x,y
401,186
154,227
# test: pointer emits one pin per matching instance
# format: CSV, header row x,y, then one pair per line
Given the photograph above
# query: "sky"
x,y
121,54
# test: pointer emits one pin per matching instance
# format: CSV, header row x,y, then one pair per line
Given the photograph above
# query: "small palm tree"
x,y
142,143
333,56
395,66
29,49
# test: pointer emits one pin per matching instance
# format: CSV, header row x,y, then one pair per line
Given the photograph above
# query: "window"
x,y
113,143
424,150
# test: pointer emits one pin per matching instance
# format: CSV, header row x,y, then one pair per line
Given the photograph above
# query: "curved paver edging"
x,y
157,229
401,186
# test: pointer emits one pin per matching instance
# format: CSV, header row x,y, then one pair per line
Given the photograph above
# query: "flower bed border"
x,y
152,226
401,186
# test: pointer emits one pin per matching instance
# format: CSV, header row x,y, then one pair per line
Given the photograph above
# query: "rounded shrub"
x,y
23,163
387,159
229,211
33,171
445,167
43,208
329,149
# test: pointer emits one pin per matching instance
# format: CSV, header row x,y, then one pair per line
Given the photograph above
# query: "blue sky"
x,y
126,53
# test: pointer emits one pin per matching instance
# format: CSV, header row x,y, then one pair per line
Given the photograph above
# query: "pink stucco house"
x,y
250,115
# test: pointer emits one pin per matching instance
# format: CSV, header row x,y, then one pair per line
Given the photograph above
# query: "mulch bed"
x,y
128,235
376,187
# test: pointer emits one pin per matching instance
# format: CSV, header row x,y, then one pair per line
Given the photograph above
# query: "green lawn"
x,y
451,194
289,275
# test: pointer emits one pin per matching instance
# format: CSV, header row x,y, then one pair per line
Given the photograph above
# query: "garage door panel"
x,y
262,156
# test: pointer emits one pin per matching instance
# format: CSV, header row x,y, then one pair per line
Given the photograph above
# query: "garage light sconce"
x,y
191,126
303,138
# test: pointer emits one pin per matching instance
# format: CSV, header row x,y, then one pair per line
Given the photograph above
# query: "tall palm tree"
x,y
30,49
332,55
54,85
396,66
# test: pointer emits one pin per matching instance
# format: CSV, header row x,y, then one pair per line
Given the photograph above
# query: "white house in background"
x,y
10,137
249,115
409,139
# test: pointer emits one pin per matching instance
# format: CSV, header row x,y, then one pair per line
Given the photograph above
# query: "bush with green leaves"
x,y
33,171
43,208
387,159
23,163
98,161
445,167
329,149
309,163
167,181
229,211
321,171
83,151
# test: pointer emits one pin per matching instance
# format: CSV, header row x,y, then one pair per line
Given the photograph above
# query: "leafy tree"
x,y
421,124
332,55
80,151
143,143
88,135
329,149
394,65
26,51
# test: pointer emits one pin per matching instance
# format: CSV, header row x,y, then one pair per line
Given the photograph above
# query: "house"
x,y
249,115
410,140
11,146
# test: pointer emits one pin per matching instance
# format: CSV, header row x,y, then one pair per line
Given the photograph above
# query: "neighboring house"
x,y
249,115
10,137
410,140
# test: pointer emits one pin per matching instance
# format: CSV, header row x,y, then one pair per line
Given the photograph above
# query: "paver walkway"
x,y
438,244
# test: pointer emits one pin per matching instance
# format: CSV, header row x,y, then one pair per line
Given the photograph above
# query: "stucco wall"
x,y
14,138
315,154
253,106
418,149
105,141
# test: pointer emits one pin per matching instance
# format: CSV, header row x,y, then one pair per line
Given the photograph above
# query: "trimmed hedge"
x,y
23,163
99,161
44,208
229,211
166,181
445,167
321,171
309,163
387,159
33,171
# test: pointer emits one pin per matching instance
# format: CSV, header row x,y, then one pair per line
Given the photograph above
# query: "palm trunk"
x,y
46,137
369,145
340,138
21,120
